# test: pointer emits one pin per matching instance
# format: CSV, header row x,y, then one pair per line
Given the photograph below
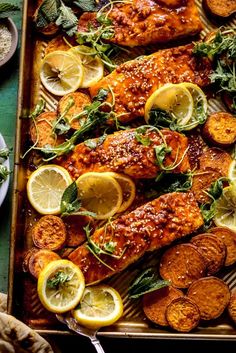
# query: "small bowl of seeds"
x,y
8,39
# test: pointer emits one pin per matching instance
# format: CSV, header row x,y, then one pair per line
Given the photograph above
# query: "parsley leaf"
x,y
161,151
57,280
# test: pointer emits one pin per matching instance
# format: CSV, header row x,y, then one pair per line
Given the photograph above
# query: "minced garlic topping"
x,y
5,41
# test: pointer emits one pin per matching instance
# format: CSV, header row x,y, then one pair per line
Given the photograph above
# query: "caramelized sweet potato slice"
x,y
78,100
182,264
156,302
58,43
232,306
229,239
27,255
220,8
75,232
182,314
211,295
212,249
202,180
42,134
220,129
49,233
38,260
217,159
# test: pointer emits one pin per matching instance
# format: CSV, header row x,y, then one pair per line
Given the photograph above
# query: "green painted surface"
x,y
8,103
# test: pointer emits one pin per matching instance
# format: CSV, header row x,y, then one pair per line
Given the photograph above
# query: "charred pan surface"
x,y
134,81
121,152
144,22
149,227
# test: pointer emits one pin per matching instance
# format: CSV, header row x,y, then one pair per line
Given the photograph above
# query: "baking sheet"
x,y
23,298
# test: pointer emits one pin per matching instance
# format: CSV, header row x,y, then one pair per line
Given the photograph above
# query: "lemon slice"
x,y
45,188
92,65
128,189
199,105
100,193
60,286
173,98
232,171
61,72
100,306
225,215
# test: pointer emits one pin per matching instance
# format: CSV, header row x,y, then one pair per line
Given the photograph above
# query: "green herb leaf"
x,y
103,19
48,12
86,5
69,201
4,172
7,7
146,282
102,95
139,135
216,188
4,153
160,118
161,151
39,108
110,246
67,19
58,279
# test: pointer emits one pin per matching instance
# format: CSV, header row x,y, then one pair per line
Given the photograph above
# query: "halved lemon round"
x,y
128,189
225,215
174,99
199,105
45,188
60,286
61,72
100,306
92,65
232,171
100,193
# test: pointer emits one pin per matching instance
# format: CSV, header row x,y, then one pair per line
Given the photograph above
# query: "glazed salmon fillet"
x,y
142,22
154,225
121,152
134,81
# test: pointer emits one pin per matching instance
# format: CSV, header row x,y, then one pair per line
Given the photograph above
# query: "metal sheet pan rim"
x,y
109,333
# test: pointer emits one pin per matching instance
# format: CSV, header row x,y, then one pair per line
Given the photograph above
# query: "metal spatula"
x,y
74,326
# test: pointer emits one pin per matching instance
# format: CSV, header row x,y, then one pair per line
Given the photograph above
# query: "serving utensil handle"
x,y
97,345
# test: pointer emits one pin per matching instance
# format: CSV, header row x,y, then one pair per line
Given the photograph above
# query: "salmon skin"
x,y
143,22
150,227
133,82
122,152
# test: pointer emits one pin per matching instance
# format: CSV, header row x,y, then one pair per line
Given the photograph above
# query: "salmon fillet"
x,y
149,227
121,152
134,81
143,22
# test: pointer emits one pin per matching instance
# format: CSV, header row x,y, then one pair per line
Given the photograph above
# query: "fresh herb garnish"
x,y
7,7
167,183
94,143
146,282
57,280
4,153
67,19
61,125
86,5
139,135
4,172
208,209
71,203
161,152
222,51
39,108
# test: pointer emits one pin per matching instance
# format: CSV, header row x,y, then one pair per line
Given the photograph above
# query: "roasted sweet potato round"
x,y
79,101
58,43
211,295
202,180
155,304
27,255
212,249
182,264
49,233
232,306
182,314
216,159
220,129
42,133
219,8
39,259
229,239
74,227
